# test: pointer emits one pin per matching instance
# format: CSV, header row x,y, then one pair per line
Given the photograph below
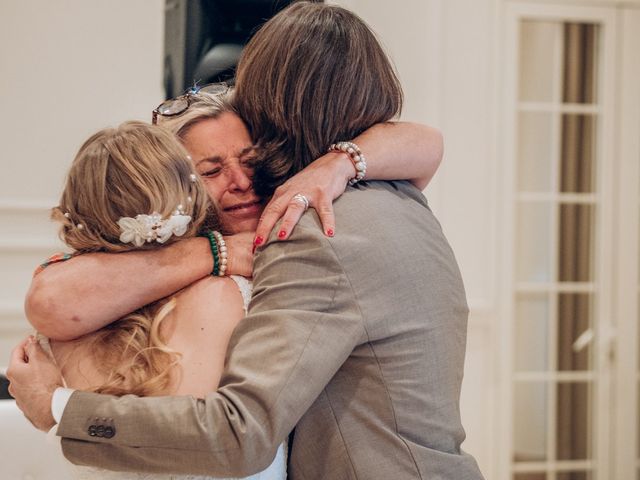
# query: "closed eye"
x,y
211,173
248,161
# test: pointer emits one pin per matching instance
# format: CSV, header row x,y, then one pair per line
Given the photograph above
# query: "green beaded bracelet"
x,y
214,251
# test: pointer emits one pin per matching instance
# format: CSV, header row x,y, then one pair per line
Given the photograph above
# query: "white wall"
x,y
68,68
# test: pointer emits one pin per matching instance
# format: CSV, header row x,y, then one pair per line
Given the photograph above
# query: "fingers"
x,y
290,219
17,361
34,351
327,217
290,213
296,208
18,357
274,210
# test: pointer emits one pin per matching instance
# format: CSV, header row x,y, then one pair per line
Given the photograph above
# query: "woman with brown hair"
x,y
326,80
377,366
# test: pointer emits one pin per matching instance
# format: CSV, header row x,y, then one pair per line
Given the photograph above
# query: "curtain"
x,y
575,240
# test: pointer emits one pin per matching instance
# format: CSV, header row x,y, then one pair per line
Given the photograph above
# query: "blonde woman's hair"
x,y
203,107
133,169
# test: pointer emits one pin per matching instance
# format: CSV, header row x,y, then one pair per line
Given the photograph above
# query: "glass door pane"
x,y
557,216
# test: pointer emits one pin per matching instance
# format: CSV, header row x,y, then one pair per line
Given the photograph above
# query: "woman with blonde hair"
x,y
130,187
134,188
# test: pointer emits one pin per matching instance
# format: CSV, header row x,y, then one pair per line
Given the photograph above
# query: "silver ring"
x,y
298,197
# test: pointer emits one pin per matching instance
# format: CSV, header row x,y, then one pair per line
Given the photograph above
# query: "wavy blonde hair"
x,y
133,169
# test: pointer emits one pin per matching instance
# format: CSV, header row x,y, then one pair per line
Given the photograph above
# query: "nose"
x,y
239,179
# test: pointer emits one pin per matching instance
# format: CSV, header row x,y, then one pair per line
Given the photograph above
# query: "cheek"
x,y
215,190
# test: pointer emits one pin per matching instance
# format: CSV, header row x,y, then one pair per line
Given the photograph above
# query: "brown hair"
x,y
312,75
119,172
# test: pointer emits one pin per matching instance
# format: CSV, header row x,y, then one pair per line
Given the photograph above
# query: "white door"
x,y
571,282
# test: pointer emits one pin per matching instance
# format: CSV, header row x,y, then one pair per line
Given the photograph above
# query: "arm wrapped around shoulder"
x,y
302,325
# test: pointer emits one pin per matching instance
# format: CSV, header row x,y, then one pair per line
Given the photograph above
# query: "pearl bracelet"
x,y
356,157
219,253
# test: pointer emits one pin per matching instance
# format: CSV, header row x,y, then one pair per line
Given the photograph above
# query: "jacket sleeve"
x,y
302,325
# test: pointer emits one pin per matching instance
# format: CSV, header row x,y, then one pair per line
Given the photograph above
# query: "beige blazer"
x,y
357,341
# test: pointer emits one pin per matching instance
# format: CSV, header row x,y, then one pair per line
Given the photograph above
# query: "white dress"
x,y
276,471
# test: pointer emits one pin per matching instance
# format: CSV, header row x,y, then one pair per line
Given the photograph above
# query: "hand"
x,y
321,182
240,254
34,377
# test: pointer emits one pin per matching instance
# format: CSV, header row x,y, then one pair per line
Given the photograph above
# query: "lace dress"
x,y
276,471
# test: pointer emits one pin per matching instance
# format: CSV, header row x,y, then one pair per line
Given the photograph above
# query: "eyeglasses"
x,y
178,105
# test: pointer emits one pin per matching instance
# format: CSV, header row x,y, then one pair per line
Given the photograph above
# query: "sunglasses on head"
x,y
176,106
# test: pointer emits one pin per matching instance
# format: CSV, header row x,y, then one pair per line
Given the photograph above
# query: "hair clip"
x,y
149,228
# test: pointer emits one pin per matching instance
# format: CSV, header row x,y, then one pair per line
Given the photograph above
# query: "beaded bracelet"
x,y
356,157
222,249
214,251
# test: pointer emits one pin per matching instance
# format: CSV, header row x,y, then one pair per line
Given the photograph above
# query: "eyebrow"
x,y
246,150
214,159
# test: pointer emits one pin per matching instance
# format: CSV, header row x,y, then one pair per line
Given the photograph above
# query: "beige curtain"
x,y
575,241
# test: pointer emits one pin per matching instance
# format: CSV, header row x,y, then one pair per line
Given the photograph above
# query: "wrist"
x,y
343,164
232,268
204,266
355,157
200,247
218,247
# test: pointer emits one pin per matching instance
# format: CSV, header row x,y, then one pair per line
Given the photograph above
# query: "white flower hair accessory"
x,y
149,228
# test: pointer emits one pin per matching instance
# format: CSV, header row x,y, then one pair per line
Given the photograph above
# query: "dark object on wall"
x,y
204,39
4,388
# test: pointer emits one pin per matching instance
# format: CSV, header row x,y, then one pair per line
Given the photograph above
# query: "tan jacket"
x,y
356,341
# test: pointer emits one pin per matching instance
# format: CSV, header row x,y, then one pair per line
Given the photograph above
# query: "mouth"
x,y
246,208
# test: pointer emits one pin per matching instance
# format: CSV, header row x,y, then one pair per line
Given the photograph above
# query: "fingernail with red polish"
x,y
258,240
330,232
282,234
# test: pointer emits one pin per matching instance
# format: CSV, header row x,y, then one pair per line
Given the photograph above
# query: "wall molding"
x,y
29,245
9,204
31,229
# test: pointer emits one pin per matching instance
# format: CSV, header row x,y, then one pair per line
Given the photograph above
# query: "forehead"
x,y
221,136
